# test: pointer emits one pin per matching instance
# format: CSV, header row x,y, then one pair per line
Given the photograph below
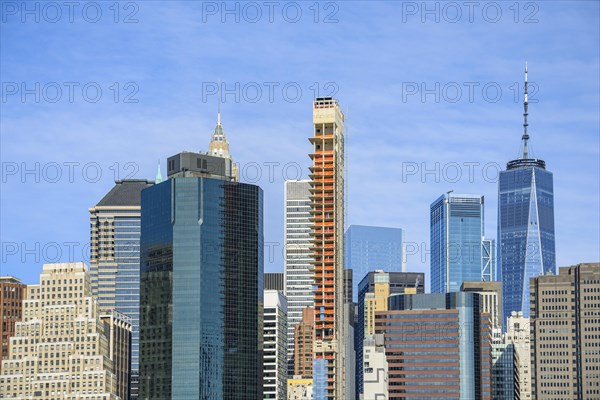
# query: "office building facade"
x,y
525,224
201,288
491,299
456,233
436,338
115,258
275,346
370,248
565,333
373,294
298,255
327,231
61,348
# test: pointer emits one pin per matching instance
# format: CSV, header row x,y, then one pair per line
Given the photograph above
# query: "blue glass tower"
x,y
370,248
201,289
525,225
456,233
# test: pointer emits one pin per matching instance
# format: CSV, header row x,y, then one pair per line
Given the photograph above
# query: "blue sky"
x,y
385,61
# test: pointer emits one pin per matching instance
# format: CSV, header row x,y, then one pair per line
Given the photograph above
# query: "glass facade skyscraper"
x,y
525,225
456,234
370,248
201,287
525,230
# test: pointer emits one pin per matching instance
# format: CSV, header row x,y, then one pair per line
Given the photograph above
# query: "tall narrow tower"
x,y
525,223
327,209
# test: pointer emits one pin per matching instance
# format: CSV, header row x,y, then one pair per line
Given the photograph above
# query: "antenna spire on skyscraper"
x,y
219,104
525,104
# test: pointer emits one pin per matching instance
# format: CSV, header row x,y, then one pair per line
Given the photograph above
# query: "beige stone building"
x,y
565,334
61,348
518,334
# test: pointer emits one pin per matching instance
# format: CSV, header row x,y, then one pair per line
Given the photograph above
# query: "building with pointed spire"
x,y
525,224
219,146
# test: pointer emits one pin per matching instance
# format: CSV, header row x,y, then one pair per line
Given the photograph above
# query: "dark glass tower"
x,y
525,225
201,284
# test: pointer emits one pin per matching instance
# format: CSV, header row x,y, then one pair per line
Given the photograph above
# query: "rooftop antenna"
x,y
525,137
219,104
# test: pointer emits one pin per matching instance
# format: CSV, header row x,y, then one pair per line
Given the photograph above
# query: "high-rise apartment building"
x,y
525,224
115,258
304,337
300,389
327,230
565,333
456,232
12,294
373,294
201,290
61,348
275,346
370,248
436,338
518,334
298,255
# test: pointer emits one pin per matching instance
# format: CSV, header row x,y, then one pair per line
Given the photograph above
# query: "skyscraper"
x,y
298,255
12,294
565,333
201,290
456,241
525,224
275,346
327,210
370,248
61,348
115,258
373,293
437,346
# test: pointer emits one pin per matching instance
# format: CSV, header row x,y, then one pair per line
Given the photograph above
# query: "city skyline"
x,y
406,138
